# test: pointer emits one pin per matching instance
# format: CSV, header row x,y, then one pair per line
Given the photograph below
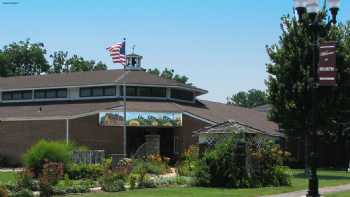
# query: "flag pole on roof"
x,y
118,53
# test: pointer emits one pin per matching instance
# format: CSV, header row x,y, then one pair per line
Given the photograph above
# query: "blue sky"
x,y
219,44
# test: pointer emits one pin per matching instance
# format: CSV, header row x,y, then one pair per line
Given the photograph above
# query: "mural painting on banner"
x,y
141,119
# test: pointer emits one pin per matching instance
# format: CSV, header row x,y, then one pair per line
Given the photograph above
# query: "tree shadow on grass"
x,y
325,177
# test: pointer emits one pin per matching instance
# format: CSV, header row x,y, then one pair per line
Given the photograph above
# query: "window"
x,y
144,91
17,95
27,95
182,94
62,93
130,91
6,96
85,92
109,91
39,94
158,92
50,93
98,91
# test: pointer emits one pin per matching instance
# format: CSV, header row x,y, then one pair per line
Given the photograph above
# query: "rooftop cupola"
x,y
133,61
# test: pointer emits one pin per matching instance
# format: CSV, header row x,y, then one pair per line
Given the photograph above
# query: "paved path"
x,y
323,191
11,169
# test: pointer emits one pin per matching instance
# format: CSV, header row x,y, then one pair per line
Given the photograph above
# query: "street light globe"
x,y
334,3
300,3
312,6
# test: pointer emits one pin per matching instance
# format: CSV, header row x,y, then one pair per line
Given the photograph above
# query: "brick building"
x,y
68,106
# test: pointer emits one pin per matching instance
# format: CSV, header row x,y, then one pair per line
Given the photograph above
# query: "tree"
x,y
290,77
59,62
27,58
249,99
169,74
100,66
5,69
23,58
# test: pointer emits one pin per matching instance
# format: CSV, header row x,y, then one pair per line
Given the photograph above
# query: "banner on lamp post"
x,y
327,65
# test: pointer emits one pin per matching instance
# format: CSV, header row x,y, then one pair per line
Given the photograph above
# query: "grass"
x,y
6,177
299,182
339,194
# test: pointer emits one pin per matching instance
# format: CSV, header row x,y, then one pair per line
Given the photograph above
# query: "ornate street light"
x,y
334,8
314,23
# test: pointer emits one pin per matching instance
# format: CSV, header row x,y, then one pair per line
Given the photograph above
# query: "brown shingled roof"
x,y
61,79
89,78
211,111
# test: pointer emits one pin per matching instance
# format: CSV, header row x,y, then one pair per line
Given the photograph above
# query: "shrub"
x,y
67,186
24,179
22,193
226,164
146,182
3,191
188,161
113,182
132,181
151,167
52,151
267,160
171,181
85,171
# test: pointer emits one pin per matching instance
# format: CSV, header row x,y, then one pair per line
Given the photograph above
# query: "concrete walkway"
x,y
323,191
11,169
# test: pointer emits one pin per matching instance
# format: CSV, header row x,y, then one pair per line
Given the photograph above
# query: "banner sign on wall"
x,y
141,119
327,66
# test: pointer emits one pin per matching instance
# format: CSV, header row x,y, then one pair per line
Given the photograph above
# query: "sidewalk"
x,y
323,191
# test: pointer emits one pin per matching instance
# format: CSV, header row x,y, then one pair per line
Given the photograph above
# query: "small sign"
x,y
327,66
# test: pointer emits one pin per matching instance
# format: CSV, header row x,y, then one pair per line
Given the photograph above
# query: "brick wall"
x,y
86,131
185,133
17,137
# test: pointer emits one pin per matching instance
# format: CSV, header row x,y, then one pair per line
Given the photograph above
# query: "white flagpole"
x,y
124,101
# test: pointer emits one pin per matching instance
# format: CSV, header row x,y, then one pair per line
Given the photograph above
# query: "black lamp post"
x,y
313,20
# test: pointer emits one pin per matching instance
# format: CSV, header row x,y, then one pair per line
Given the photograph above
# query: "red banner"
x,y
327,65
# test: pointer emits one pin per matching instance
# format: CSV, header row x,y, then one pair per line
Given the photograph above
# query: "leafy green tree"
x,y
249,99
5,69
154,71
24,58
100,66
290,77
169,74
79,64
59,62
27,58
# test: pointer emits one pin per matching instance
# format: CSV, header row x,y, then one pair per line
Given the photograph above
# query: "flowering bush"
x,y
188,161
235,163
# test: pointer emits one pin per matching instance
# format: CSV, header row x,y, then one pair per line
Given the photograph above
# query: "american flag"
x,y
117,52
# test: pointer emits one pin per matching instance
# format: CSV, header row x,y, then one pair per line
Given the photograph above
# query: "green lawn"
x,y
299,182
6,177
340,194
